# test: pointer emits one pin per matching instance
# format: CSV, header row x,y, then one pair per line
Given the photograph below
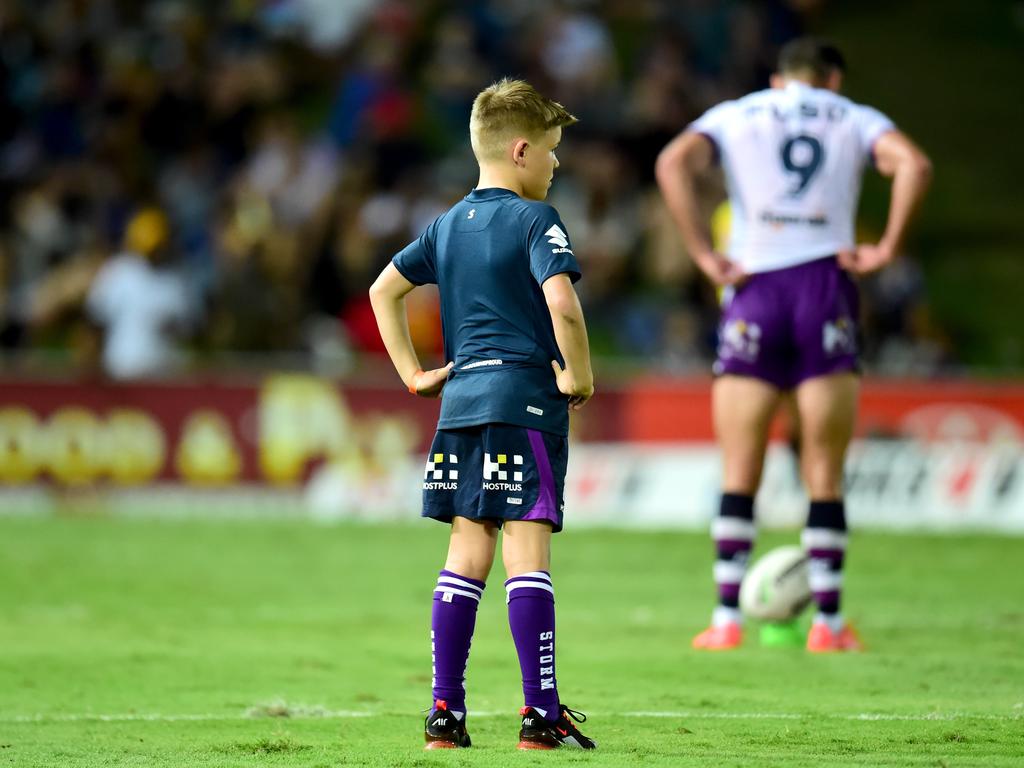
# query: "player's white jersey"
x,y
793,159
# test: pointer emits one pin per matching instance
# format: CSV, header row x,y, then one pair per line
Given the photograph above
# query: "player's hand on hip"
x,y
430,383
577,391
865,259
719,269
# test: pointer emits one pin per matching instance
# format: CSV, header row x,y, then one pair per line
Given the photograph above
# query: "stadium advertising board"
x,y
930,456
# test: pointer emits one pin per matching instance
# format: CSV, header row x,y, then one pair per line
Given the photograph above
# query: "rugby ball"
x,y
776,587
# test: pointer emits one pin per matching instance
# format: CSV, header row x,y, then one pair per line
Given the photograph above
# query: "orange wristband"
x,y
412,387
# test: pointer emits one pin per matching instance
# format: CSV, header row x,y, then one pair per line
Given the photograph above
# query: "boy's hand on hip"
x,y
430,383
578,391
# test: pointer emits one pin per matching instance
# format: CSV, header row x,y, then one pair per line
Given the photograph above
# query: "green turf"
x,y
223,629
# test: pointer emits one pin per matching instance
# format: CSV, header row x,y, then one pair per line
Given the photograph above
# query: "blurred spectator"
x,y
140,304
294,145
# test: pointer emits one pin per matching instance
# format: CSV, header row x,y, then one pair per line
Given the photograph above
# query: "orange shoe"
x,y
723,637
821,639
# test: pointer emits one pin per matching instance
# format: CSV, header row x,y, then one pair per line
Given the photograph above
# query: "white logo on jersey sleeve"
x,y
557,236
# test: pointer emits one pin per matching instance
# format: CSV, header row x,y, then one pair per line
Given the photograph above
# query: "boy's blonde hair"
x,y
511,108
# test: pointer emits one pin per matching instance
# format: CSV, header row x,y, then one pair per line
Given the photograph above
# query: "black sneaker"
x,y
443,730
538,733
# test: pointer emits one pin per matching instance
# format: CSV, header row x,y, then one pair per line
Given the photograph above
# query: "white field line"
x,y
348,714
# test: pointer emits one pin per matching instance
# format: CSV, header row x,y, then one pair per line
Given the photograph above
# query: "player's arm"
x,y
577,379
679,164
387,296
898,158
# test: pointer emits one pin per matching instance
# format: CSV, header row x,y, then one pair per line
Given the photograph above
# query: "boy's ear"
x,y
519,151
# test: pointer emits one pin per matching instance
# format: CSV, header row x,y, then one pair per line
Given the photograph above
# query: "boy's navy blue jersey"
x,y
489,256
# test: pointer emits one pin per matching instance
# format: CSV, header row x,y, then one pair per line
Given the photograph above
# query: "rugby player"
x,y
793,157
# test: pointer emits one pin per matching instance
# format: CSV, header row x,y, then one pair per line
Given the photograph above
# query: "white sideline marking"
x,y
159,718
871,716
347,714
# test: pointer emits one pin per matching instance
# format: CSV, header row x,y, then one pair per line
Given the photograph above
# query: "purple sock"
x,y
531,616
451,632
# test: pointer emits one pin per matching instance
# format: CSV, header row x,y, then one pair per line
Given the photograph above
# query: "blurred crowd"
x,y
187,184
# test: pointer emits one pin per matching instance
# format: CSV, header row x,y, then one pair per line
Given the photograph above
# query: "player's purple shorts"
x,y
790,325
496,472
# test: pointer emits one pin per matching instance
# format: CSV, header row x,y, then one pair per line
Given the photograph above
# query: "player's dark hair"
x,y
811,54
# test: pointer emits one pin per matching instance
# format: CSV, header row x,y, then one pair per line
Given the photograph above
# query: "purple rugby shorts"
x,y
790,325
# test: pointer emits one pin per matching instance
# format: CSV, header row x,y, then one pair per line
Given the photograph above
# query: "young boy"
x,y
514,332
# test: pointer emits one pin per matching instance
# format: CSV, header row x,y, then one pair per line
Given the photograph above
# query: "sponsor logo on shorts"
x,y
535,411
496,472
839,337
740,340
507,487
495,467
513,500
434,473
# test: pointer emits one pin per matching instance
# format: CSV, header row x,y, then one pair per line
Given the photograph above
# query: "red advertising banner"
x,y
278,430
671,410
202,433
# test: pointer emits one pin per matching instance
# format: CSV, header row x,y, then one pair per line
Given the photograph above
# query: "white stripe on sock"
x,y
533,575
454,591
823,538
459,583
824,581
729,572
732,528
528,585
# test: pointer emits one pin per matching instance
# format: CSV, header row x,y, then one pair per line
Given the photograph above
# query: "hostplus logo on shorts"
x,y
496,472
740,340
434,474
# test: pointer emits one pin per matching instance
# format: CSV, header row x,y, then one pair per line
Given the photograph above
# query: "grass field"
x,y
146,643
